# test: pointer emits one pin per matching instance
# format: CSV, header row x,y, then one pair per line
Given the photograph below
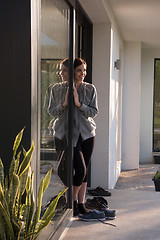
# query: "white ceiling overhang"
x,y
138,20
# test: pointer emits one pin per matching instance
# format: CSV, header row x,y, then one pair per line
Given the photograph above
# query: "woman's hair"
x,y
65,62
78,62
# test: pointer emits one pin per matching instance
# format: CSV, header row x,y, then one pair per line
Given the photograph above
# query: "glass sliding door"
x,y
156,107
54,48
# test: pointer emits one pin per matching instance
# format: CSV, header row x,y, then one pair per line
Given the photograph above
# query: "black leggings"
x,y
81,160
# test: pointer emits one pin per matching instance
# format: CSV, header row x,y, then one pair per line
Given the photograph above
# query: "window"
x,y
54,48
156,107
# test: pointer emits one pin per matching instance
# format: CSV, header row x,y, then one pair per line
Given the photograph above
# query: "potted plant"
x,y
156,155
19,217
156,180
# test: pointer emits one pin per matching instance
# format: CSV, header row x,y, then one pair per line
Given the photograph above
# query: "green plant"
x,y
157,174
19,217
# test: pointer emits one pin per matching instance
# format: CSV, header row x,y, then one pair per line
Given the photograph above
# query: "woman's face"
x,y
64,73
80,73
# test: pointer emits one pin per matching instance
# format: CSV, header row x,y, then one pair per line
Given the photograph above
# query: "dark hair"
x,y
65,62
78,62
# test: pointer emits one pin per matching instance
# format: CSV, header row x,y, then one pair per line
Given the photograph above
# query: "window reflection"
x,y
156,118
54,47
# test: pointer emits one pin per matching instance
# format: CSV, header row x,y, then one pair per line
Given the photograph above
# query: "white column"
x,y
131,105
101,79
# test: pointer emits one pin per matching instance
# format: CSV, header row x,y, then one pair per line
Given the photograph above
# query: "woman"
x,y
85,101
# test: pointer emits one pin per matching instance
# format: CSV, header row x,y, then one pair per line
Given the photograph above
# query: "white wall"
x,y
106,158
147,81
131,105
105,167
114,110
101,76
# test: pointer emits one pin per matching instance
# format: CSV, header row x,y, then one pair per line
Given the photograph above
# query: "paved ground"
x,y
138,211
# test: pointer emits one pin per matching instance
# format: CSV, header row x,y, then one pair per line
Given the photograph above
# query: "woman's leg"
x,y
87,149
82,192
80,172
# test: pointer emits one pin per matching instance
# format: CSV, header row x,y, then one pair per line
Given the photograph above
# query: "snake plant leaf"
x,y
52,206
2,228
6,188
17,162
47,180
1,173
13,189
28,213
48,215
44,224
38,208
11,169
24,151
26,161
23,181
7,221
17,142
3,200
29,220
16,227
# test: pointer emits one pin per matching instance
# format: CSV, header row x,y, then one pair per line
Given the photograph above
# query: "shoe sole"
x,y
110,218
92,220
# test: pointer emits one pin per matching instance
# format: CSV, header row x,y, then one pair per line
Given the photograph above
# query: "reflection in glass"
x,y
54,47
156,117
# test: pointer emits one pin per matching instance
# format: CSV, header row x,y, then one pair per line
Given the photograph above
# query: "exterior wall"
x,y
101,76
115,109
147,81
107,45
15,84
131,105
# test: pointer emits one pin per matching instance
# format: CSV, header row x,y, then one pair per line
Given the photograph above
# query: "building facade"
x,y
36,36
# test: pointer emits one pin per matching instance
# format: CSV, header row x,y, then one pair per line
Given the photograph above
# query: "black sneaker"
x,y
99,191
93,216
98,203
110,214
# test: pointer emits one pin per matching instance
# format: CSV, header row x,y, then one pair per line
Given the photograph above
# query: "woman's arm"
x,y
90,110
56,107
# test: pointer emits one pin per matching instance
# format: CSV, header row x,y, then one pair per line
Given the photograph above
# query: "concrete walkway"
x,y
138,212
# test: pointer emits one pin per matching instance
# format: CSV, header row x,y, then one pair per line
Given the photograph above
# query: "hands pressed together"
x,y
76,98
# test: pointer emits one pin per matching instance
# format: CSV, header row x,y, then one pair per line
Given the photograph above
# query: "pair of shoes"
x,y
93,216
96,215
99,191
98,203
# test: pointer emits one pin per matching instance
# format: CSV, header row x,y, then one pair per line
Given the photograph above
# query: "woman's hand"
x,y
65,104
76,97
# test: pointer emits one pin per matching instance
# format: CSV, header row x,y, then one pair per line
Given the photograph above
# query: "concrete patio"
x,y
138,211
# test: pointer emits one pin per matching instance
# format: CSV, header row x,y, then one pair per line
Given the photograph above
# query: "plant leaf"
x,y
11,169
38,208
48,215
3,200
52,205
7,221
17,141
47,180
1,173
13,190
26,161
